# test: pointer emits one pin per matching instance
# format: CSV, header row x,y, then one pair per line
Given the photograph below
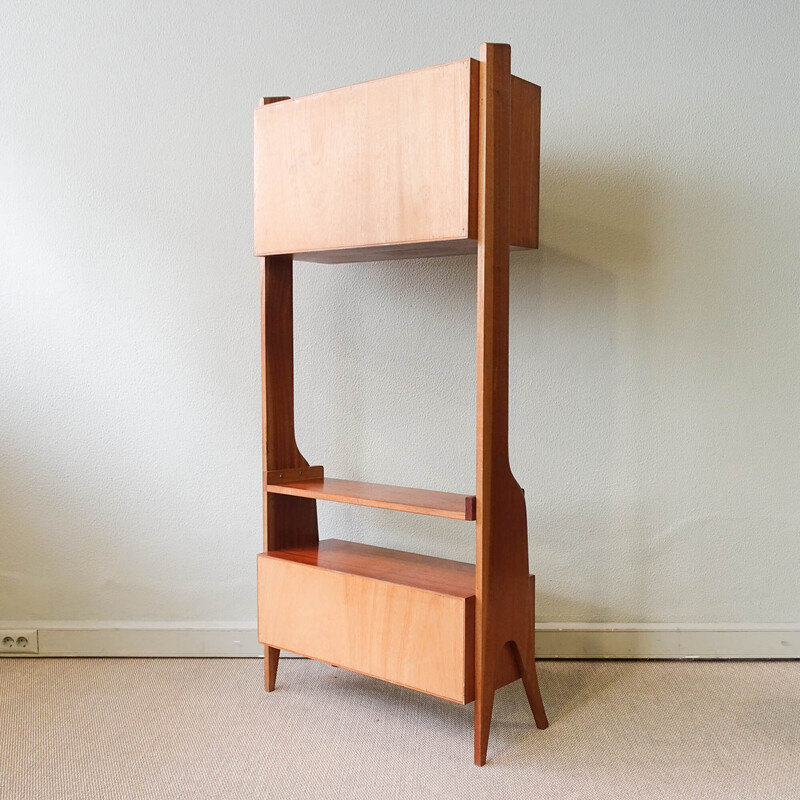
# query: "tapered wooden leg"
x,y
484,701
531,683
271,656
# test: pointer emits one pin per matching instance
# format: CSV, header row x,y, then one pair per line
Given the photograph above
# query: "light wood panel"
x,y
376,495
379,162
402,634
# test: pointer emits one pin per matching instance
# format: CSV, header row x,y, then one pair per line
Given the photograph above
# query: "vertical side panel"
x,y
524,156
492,470
288,521
474,147
504,617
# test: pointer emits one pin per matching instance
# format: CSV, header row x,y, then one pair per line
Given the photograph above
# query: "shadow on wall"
x,y
653,396
631,330
574,402
572,413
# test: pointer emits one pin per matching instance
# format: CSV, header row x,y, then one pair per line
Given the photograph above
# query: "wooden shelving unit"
x,y
440,161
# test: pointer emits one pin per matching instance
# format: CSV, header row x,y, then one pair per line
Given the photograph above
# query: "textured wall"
x,y
655,398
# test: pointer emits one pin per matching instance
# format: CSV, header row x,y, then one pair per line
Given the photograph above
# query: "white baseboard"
x,y
553,640
666,640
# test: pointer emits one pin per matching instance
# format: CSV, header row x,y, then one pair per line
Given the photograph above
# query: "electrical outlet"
x,y
17,641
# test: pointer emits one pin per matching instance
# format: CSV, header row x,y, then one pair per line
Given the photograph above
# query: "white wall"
x,y
655,336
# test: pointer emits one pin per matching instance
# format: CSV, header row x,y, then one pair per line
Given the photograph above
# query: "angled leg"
x,y
271,656
484,702
531,683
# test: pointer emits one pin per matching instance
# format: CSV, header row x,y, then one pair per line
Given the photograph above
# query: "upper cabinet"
x,y
388,168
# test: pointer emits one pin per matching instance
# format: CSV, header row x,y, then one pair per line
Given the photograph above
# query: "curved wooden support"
x,y
504,610
288,521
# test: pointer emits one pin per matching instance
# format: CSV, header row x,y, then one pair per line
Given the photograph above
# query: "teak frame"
x,y
446,628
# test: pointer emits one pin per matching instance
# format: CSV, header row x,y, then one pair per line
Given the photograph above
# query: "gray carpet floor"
x,y
204,728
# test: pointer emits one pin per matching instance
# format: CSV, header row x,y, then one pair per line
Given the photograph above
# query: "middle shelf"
x,y
396,498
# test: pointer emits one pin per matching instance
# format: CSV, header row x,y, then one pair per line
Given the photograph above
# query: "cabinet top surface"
x,y
439,575
372,82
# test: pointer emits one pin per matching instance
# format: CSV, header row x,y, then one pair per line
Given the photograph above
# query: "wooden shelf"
x,y
440,575
395,498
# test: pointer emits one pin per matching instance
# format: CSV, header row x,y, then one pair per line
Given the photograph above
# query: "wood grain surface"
x,y
395,498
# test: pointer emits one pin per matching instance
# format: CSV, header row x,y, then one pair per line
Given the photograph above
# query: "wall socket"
x,y
18,641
